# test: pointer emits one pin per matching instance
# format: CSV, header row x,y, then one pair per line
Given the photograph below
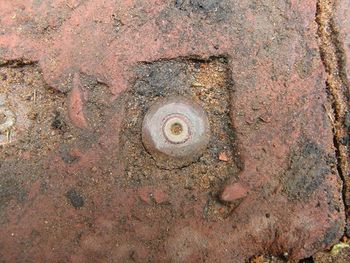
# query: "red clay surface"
x,y
73,208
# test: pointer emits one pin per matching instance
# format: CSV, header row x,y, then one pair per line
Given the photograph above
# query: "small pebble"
x,y
223,157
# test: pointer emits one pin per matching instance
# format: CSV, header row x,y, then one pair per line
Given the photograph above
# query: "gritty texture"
x,y
341,256
307,170
342,17
71,192
206,83
334,47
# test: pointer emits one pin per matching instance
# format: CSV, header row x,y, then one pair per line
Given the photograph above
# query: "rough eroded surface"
x,y
74,203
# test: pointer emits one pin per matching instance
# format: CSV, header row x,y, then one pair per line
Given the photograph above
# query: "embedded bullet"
x,y
175,131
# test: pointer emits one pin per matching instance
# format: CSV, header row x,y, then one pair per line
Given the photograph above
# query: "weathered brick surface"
x,y
292,203
342,16
341,20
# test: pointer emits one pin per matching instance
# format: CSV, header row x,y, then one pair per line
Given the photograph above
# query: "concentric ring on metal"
x,y
176,128
175,131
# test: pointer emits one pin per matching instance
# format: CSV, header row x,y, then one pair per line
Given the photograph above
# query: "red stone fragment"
x,y
223,157
145,195
233,192
160,197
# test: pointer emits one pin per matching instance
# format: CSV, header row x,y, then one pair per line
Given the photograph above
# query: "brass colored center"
x,y
176,128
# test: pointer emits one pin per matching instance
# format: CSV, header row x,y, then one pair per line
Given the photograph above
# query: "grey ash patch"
x,y
11,189
75,199
308,167
154,79
199,5
217,10
333,233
